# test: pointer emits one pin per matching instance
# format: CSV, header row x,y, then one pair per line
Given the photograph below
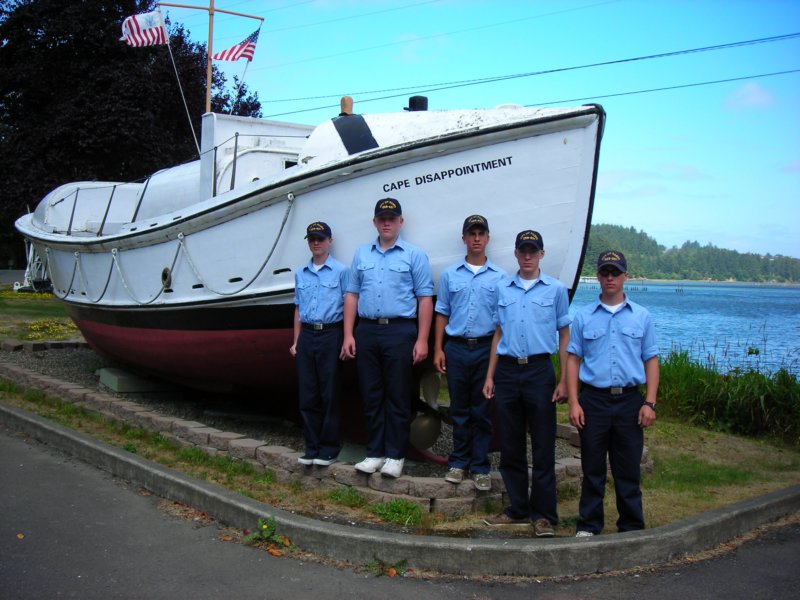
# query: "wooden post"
x,y
210,43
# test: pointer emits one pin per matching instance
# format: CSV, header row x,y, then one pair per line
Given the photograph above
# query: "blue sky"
x,y
715,163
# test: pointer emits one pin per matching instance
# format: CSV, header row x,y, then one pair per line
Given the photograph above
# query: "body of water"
x,y
724,325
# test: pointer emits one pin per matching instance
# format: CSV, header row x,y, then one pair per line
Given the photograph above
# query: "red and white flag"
x,y
146,29
244,50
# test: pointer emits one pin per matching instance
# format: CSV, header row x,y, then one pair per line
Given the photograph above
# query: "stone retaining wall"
x,y
431,494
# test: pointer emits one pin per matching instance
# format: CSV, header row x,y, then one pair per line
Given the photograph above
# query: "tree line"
x,y
649,259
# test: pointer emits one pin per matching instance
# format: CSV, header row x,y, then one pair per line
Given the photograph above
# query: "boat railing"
x,y
266,147
100,213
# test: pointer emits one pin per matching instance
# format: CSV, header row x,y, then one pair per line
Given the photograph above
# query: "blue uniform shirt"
x,y
319,295
613,346
389,282
530,319
467,299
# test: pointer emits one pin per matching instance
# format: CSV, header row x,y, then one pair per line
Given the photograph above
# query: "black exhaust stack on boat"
x,y
416,103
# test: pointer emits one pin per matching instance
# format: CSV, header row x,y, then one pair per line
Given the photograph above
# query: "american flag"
x,y
244,50
146,29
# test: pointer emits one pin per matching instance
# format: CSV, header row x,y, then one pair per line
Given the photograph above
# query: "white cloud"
x,y
750,95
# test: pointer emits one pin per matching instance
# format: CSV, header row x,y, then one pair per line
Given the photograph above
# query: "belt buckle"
x,y
318,326
471,341
615,391
383,321
522,361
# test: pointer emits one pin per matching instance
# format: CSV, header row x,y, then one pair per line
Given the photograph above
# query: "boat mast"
x,y
211,10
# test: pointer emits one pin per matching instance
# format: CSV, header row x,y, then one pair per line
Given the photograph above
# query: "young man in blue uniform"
x,y
465,312
319,289
532,323
612,351
390,290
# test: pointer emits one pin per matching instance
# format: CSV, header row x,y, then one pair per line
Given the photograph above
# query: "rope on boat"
x,y
182,242
53,276
115,256
83,280
115,264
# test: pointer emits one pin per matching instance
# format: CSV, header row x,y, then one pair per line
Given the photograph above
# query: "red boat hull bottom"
x,y
235,361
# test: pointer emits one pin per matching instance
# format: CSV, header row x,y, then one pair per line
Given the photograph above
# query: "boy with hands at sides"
x,y
464,327
612,351
390,290
532,323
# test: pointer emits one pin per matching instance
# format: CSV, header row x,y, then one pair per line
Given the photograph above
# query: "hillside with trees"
x,y
76,103
649,259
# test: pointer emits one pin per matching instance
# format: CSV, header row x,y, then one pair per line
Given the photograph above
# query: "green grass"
x,y
33,316
689,473
399,511
347,497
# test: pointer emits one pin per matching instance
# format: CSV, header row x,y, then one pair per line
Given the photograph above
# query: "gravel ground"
x,y
228,412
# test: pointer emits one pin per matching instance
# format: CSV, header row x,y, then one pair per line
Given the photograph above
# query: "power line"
x,y
645,91
448,84
435,87
436,35
663,89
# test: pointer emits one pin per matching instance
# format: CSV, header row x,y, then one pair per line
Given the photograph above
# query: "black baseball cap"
x,y
318,229
475,221
529,237
388,205
612,258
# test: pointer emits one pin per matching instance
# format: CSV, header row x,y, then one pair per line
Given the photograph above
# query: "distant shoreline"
x,y
792,284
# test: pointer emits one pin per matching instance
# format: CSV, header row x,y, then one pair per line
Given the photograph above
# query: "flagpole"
x,y
211,10
210,52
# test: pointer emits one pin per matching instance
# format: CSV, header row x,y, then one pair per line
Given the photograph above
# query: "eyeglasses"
x,y
607,272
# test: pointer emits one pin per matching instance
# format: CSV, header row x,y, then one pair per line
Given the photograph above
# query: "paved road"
x,y
10,276
88,535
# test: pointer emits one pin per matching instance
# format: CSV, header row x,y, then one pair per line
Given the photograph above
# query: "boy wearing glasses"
x,y
612,351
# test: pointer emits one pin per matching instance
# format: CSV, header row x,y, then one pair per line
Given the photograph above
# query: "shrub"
x,y
744,402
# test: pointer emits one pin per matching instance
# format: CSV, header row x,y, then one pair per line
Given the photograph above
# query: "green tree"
x,y
78,104
647,258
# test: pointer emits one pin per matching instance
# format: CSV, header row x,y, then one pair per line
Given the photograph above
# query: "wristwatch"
x,y
652,405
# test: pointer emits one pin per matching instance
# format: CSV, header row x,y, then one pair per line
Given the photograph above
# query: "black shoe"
x,y
306,459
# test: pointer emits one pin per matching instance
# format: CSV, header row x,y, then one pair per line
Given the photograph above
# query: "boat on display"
x,y
189,275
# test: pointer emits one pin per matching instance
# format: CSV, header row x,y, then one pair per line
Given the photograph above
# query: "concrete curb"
x,y
553,557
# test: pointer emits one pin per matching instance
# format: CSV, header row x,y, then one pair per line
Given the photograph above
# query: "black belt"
x,y
321,326
523,360
612,391
475,341
387,321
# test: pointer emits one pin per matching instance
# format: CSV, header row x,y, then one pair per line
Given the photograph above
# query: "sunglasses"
x,y
612,272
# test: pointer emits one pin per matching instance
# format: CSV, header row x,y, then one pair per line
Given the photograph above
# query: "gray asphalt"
x,y
70,530
10,276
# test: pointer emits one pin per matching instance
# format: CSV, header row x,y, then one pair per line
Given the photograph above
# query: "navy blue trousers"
x,y
469,409
524,402
318,373
611,428
384,363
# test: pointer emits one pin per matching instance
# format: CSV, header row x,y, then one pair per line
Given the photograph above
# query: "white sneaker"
x,y
583,534
370,465
393,467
